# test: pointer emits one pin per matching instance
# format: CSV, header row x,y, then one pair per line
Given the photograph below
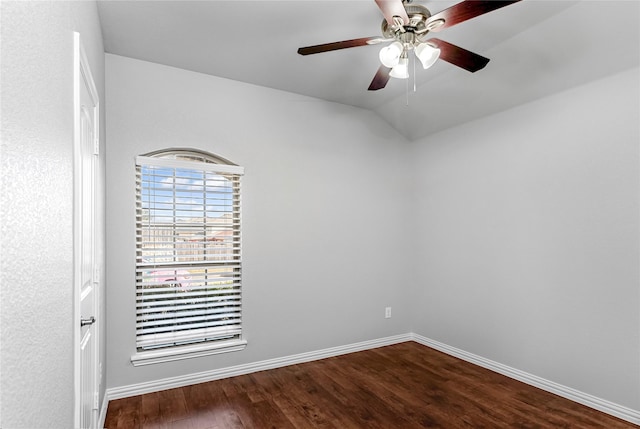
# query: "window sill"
x,y
186,352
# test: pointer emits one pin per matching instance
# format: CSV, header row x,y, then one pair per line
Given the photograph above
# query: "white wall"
x,y
36,207
323,209
527,228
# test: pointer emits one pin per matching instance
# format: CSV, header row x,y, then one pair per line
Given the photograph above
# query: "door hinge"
x,y
96,274
96,400
96,146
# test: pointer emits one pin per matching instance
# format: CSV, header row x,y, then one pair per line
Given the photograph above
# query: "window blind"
x,y
188,262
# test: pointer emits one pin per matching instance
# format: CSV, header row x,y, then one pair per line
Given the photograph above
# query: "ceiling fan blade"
x,y
391,8
326,47
459,57
380,79
464,11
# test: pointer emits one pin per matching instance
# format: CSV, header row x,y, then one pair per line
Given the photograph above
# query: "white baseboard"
x,y
591,401
599,404
216,374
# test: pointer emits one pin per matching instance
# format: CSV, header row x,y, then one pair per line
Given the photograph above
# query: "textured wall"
x,y
528,238
36,206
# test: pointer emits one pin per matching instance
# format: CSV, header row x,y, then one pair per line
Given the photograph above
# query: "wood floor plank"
x,y
360,383
320,395
300,405
421,391
172,405
403,386
211,406
150,407
124,413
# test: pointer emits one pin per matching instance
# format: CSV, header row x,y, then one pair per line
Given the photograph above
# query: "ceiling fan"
x,y
406,26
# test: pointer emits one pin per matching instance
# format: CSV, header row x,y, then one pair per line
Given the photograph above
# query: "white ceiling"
x,y
536,47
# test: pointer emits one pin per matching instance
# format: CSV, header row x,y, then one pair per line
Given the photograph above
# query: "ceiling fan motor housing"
x,y
417,26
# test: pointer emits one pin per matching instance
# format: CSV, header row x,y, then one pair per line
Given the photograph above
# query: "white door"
x,y
86,268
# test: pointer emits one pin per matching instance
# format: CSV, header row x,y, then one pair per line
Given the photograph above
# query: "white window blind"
x,y
188,266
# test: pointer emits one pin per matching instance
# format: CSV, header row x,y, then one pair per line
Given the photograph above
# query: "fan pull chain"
x,y
415,89
406,83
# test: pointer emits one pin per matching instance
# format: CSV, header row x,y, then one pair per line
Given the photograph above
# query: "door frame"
x,y
82,76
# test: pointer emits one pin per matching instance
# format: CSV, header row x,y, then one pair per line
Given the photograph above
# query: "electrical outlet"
x,y
387,312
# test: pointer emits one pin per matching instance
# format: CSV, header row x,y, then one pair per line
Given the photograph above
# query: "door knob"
x,y
90,321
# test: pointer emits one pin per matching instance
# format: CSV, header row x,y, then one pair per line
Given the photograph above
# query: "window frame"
x,y
199,162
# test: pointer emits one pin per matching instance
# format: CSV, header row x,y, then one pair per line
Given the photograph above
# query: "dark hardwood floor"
x,y
401,386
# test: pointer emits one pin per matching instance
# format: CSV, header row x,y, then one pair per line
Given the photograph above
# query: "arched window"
x,y
188,262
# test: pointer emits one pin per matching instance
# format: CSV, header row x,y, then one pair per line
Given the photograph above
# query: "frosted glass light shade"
x,y
401,70
390,55
427,54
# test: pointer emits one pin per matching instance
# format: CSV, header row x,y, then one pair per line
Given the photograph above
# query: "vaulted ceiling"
x,y
536,47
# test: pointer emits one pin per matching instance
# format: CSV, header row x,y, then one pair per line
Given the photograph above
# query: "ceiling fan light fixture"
x,y
390,55
401,70
427,54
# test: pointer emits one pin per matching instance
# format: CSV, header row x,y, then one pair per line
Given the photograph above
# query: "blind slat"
x,y
148,341
164,299
149,312
193,325
160,323
199,264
